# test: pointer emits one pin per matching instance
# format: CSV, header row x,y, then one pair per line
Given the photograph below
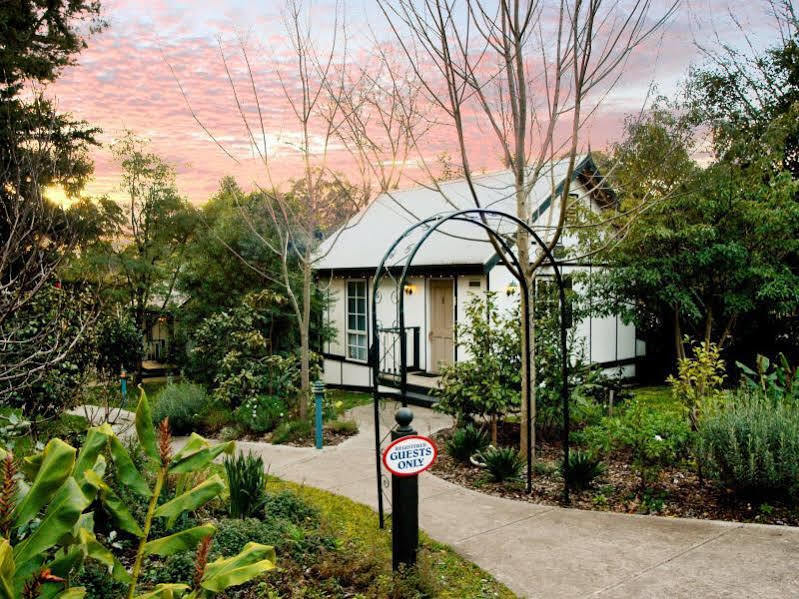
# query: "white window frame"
x,y
361,333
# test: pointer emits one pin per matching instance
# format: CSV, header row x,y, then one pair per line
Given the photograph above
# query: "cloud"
x,y
128,79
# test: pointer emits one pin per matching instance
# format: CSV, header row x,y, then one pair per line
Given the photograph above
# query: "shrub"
x,y
290,506
261,323
230,433
465,442
247,485
502,463
487,385
292,431
98,584
544,468
232,534
216,418
244,377
778,381
177,568
184,404
752,445
653,439
343,427
698,383
584,467
262,413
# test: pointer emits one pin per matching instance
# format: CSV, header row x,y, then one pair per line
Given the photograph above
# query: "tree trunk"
x,y
139,317
527,309
708,326
305,342
679,348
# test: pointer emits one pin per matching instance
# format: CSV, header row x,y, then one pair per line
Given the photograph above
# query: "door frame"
x,y
433,368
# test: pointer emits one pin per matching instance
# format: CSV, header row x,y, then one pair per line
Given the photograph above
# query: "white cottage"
x,y
454,264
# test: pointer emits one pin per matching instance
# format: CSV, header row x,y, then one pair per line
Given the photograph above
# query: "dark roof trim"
x,y
587,173
444,270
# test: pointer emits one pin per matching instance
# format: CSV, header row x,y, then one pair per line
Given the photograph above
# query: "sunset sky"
x,y
124,80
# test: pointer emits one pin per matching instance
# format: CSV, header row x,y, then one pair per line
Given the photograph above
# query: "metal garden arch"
x,y
479,218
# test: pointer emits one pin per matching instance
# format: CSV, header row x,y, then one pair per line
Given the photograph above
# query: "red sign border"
x,y
396,441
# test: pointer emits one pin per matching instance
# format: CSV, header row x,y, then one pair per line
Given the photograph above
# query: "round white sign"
x,y
410,455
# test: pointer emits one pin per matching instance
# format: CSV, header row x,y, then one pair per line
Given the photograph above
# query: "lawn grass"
x,y
348,399
659,398
356,524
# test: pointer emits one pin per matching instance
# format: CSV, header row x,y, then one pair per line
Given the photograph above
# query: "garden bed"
x,y
333,433
677,492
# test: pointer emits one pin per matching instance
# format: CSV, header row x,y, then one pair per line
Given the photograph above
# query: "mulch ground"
x,y
329,438
677,493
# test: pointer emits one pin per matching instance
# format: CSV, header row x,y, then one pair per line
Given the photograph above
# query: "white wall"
x,y
605,339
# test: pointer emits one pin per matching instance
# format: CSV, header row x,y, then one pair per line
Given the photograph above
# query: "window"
x,y
356,320
547,297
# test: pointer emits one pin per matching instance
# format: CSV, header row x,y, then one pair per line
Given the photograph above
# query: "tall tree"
x,y
721,243
534,72
328,104
39,147
157,225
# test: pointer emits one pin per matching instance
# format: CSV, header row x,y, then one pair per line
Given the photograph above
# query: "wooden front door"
x,y
442,329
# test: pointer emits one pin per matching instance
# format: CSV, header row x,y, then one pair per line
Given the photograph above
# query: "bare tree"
x,y
334,109
35,237
534,72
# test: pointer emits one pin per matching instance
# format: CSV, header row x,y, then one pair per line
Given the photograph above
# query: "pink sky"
x,y
123,81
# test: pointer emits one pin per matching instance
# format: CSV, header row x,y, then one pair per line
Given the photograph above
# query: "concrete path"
x,y
552,552
122,421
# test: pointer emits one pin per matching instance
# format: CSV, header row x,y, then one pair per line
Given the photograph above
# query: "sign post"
x,y
406,457
319,394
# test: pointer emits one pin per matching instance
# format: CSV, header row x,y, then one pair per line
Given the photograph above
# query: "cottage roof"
x,y
363,241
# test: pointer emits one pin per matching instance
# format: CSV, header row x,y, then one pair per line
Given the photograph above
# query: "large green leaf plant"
x,y
47,532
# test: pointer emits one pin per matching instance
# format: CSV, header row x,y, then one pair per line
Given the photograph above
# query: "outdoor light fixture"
x,y
409,289
511,288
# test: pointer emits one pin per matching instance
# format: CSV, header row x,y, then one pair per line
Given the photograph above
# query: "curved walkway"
x,y
551,552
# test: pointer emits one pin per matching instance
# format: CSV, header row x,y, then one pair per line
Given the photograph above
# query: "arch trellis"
x,y
479,217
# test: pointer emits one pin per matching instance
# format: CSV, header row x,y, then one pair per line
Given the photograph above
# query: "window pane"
x,y
356,313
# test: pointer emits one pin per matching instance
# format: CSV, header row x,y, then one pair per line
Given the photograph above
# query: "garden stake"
x,y
319,394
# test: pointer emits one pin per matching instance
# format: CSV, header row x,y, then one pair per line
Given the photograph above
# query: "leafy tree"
x,y
705,247
223,260
118,343
39,147
158,224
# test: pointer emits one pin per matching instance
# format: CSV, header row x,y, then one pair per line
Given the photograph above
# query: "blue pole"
x,y
123,379
319,394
